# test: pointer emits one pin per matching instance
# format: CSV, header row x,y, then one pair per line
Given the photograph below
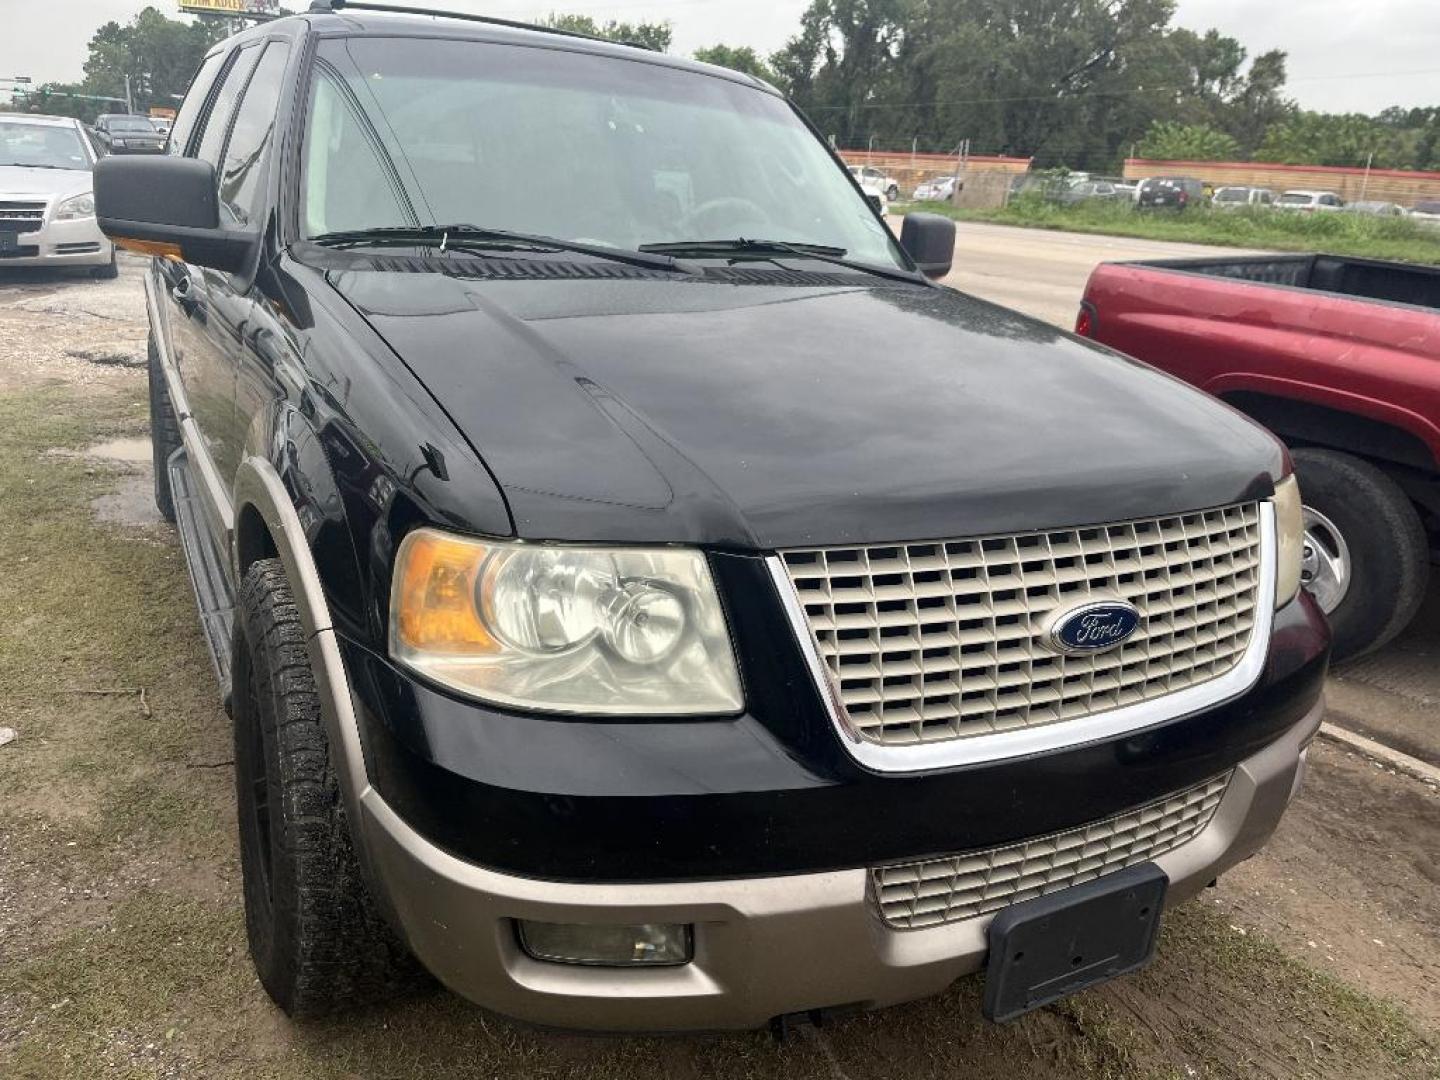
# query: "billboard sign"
x,y
233,8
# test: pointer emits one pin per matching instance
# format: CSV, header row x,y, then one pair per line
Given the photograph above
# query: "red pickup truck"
x,y
1340,358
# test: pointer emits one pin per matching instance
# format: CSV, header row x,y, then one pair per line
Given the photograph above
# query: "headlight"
x,y
1289,540
606,631
81,206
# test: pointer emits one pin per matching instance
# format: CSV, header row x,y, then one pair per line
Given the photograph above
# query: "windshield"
x,y
620,153
131,124
1296,199
41,145
1231,195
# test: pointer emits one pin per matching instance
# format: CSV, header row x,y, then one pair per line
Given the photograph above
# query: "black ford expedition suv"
x,y
644,598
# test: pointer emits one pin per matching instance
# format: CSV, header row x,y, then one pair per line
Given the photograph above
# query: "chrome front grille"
x,y
943,640
21,216
917,895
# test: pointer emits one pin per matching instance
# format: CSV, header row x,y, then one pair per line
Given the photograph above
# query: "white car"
x,y
1310,201
880,179
1233,198
47,210
940,189
1426,213
872,185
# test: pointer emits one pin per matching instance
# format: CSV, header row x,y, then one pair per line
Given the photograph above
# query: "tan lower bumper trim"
x,y
764,947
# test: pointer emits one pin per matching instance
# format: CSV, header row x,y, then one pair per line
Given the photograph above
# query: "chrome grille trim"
x,y
912,896
1020,739
27,212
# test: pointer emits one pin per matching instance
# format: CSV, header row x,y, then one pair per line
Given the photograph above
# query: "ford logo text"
x,y
1092,627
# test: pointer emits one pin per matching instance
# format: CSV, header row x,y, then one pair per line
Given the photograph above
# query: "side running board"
x,y
207,569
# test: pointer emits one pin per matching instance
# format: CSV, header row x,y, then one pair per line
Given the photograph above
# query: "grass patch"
x,y
1334,233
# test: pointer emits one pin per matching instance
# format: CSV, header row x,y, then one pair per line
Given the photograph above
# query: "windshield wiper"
x,y
35,165
699,249
478,237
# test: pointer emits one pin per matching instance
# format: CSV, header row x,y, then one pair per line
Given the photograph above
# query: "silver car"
x,y
47,210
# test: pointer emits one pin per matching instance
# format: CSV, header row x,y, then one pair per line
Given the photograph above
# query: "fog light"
x,y
644,945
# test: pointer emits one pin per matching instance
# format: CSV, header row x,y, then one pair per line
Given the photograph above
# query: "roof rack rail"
x,y
325,7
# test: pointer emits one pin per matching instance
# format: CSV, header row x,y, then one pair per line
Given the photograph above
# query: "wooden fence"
x,y
908,170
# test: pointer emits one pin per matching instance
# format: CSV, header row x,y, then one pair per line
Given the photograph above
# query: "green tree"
x,y
655,36
1168,140
158,54
738,59
1312,138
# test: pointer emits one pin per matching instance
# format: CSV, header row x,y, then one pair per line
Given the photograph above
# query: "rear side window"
x,y
251,138
212,142
194,102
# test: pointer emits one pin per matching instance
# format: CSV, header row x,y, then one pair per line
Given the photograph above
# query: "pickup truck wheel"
x,y
1365,556
318,942
164,433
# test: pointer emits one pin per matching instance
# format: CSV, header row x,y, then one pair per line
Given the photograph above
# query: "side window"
x,y
212,142
193,103
252,137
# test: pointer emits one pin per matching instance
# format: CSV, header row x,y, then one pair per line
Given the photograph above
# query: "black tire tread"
x,y
328,947
1390,553
164,431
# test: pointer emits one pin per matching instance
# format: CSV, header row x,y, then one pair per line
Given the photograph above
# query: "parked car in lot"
x,y
647,622
1092,191
1169,193
878,179
1426,212
1233,198
47,210
125,134
1376,209
940,189
873,189
1310,201
1340,357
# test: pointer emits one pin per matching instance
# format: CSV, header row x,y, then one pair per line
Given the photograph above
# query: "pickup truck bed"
x,y
1338,356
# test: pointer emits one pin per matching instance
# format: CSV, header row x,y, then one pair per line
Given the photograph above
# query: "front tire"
x,y
316,938
1366,557
109,272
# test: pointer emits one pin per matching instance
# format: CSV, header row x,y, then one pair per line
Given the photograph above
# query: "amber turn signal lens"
x,y
434,606
151,247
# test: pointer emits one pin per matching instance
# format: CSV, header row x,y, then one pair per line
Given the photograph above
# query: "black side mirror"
x,y
929,239
877,202
168,206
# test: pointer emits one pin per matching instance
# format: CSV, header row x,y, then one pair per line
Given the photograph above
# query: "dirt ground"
x,y
121,940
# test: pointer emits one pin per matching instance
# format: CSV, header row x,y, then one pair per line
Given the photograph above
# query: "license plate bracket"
x,y
1044,949
9,241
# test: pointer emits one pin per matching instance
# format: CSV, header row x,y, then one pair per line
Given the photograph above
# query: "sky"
x,y
1345,55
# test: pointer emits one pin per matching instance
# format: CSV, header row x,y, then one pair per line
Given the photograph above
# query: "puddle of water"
x,y
128,451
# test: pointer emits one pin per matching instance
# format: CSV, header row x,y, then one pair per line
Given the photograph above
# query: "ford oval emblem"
x,y
1092,627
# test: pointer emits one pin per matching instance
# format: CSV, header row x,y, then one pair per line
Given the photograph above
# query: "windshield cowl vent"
x,y
502,269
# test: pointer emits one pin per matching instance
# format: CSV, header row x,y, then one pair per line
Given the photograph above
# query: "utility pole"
x,y
1365,182
129,101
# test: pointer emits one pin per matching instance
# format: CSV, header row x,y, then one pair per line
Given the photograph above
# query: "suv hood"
x,y
774,416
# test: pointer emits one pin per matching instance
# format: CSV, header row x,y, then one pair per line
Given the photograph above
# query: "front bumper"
x,y
61,243
764,947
